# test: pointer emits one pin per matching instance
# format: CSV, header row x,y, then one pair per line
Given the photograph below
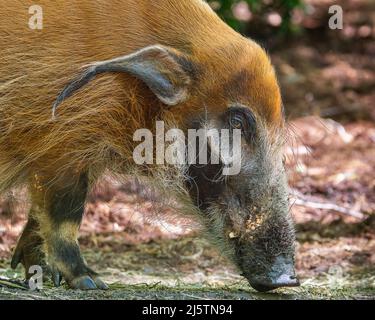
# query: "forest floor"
x,y
189,268
330,159
143,255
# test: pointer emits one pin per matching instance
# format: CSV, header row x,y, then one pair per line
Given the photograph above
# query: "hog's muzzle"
x,y
281,274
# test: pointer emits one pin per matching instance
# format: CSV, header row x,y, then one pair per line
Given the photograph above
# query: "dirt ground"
x,y
161,256
330,160
189,268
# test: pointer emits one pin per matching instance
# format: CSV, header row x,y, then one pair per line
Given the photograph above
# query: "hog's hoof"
x,y
87,283
89,280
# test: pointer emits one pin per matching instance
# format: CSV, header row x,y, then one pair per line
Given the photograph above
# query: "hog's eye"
x,y
236,122
240,117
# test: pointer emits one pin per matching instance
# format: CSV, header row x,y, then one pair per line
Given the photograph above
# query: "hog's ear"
x,y
164,70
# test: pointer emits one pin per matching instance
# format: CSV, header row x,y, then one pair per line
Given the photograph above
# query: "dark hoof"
x,y
56,277
100,284
17,258
87,283
83,283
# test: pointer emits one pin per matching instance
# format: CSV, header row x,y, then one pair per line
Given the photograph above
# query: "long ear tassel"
x,y
75,85
158,68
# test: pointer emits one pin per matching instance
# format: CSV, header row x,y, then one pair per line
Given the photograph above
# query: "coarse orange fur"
x,y
94,128
209,71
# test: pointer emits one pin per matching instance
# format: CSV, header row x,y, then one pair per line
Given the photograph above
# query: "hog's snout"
x,y
281,274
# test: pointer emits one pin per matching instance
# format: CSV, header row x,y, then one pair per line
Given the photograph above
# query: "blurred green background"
x,y
271,14
322,71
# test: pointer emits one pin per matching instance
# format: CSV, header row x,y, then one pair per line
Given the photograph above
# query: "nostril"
x,y
280,274
269,284
286,280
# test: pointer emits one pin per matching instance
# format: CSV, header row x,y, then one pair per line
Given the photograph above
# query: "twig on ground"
x,y
15,284
302,200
